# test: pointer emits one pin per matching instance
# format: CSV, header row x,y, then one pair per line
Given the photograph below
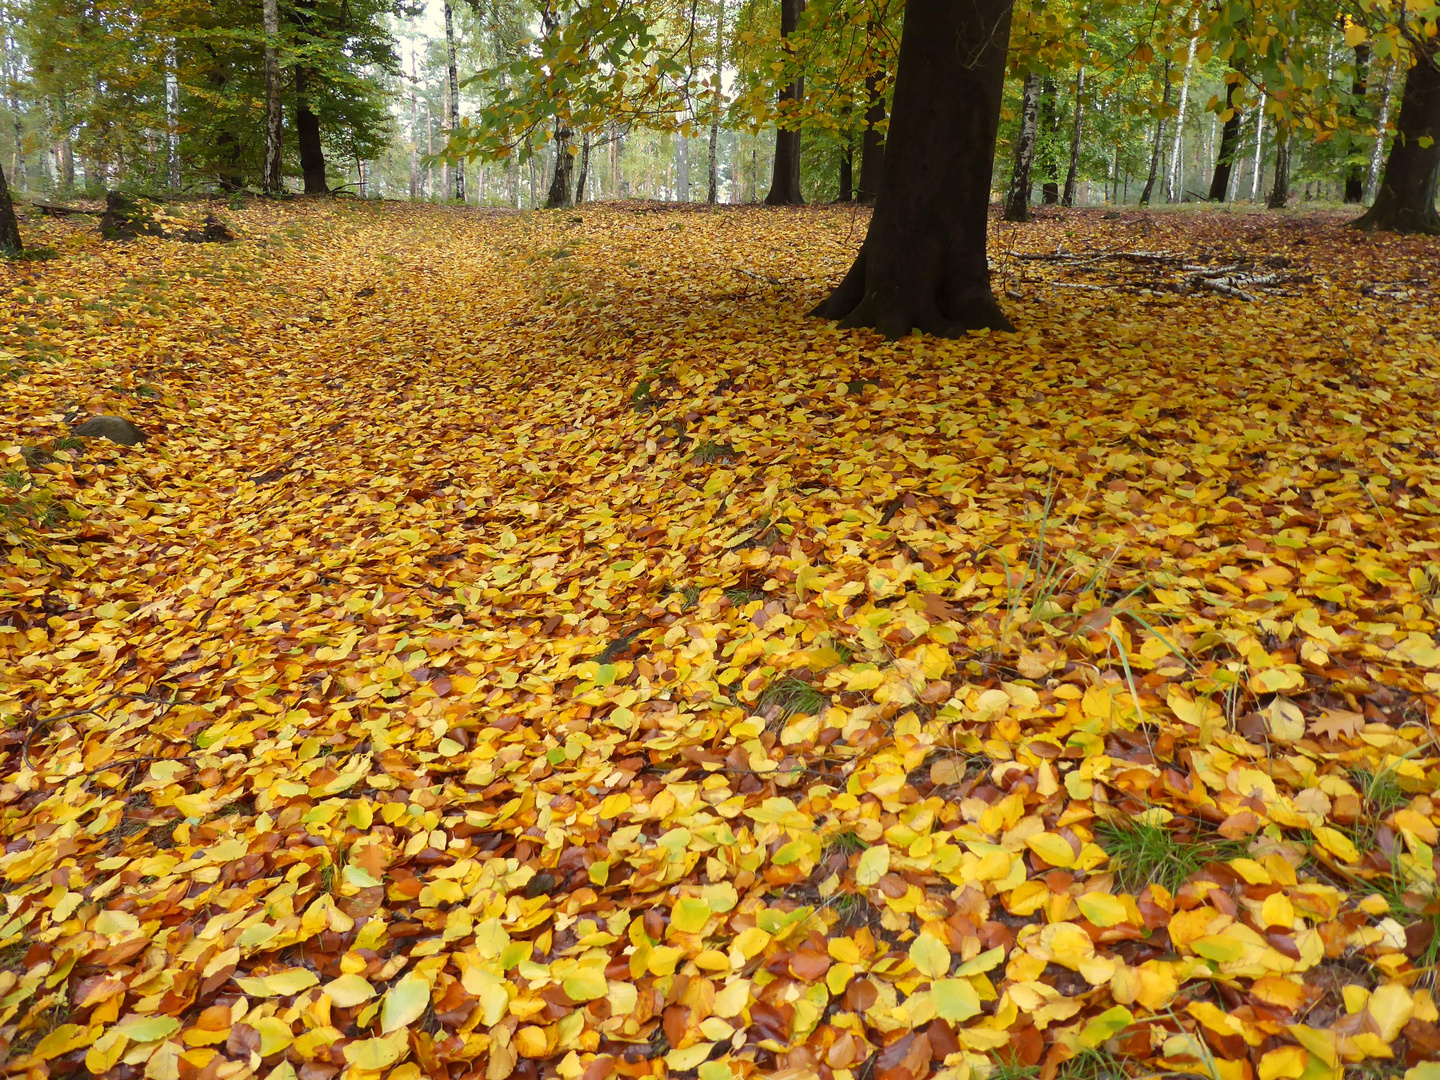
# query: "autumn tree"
x,y
785,181
922,264
1405,201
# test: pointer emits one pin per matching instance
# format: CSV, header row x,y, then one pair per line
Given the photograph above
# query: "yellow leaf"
x,y
1284,1063
349,990
1054,849
1337,843
690,914
955,999
689,1057
1391,1007
1102,909
587,984
930,956
1107,1025
372,1055
281,984
404,1003
873,865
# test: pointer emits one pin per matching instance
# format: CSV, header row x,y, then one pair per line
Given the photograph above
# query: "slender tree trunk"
x,y
1175,179
560,191
1280,192
584,174
712,192
923,265
9,228
1159,141
1229,144
272,174
414,135
872,143
785,183
1405,201
453,79
64,147
1355,175
1048,153
682,168
847,170
1017,201
1377,152
1071,173
1257,179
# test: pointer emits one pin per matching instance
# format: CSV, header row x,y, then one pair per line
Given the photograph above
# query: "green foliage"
x,y
791,696
1142,852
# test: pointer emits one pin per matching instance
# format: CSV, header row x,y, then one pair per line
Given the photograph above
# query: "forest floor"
x,y
528,645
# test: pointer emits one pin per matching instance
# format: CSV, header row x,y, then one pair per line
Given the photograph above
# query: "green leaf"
x,y
404,1003
955,999
1108,1024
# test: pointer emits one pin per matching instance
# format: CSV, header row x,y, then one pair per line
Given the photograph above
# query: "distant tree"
x,y
9,227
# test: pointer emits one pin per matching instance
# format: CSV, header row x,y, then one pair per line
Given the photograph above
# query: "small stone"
x,y
115,428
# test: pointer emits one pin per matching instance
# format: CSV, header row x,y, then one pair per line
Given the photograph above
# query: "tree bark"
x,y
922,265
1377,152
584,175
1072,173
271,174
307,134
847,170
872,143
1257,170
682,168
1355,176
785,183
1017,201
1229,143
712,193
560,195
1175,178
1280,192
1159,142
1406,200
9,228
452,75
1050,126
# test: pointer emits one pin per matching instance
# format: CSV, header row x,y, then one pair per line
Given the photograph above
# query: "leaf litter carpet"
x,y
528,646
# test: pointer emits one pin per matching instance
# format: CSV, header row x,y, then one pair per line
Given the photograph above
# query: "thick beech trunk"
x,y
1159,142
9,228
453,81
271,176
307,135
1017,200
922,265
1072,173
785,182
872,143
1229,144
1405,201
1355,175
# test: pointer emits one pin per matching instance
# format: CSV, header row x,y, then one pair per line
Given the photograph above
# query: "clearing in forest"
x,y
527,644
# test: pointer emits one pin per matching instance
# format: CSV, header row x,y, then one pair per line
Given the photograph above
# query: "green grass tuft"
x,y
1141,853
793,696
707,453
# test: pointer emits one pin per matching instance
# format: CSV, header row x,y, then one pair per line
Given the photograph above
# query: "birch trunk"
x,y
1255,172
1175,181
1017,201
712,194
1377,155
1159,142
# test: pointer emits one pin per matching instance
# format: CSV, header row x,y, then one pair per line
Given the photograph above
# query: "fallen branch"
x,y
59,210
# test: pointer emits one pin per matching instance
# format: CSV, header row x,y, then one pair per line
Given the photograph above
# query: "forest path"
x,y
487,578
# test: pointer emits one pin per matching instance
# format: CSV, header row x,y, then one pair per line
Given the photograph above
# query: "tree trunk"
x,y
1071,173
1175,178
1050,126
584,175
307,134
847,170
785,183
1377,152
872,143
712,193
1355,176
1017,201
1406,199
454,83
682,168
64,148
271,172
9,228
414,135
560,195
1257,170
1229,143
922,265
1280,193
1159,141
